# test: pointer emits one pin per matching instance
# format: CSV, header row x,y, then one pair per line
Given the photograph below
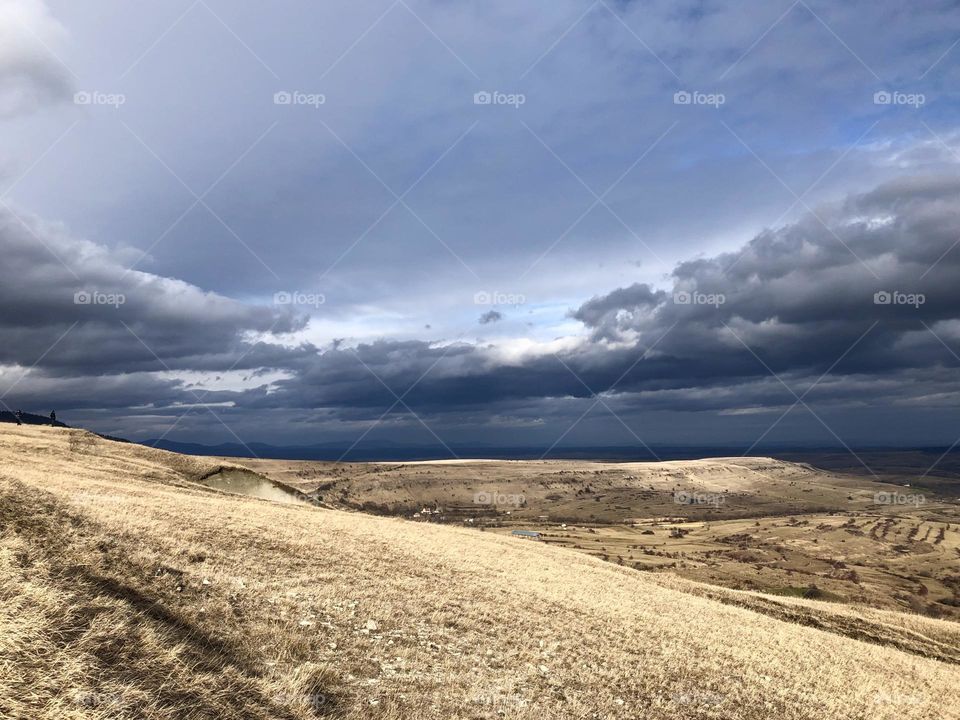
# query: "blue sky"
x,y
205,159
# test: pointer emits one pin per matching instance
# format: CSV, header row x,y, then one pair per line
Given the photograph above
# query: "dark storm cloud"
x,y
500,199
606,312
79,311
801,296
491,316
864,284
793,301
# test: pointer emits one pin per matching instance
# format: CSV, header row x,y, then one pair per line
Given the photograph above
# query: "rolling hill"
x,y
132,590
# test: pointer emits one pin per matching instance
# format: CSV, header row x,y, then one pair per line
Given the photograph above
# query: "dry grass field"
x,y
578,491
897,560
747,523
131,590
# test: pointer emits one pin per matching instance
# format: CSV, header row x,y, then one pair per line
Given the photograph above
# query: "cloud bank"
x,y
855,306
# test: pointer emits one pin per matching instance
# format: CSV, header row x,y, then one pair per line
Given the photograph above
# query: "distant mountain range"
x,y
387,451
904,458
394,452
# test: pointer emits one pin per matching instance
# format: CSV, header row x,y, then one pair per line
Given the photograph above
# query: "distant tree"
x,y
53,416
19,416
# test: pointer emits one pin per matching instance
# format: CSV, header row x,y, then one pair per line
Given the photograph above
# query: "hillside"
x,y
132,591
572,490
747,523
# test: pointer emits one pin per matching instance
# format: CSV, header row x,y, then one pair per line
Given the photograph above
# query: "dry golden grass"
x,y
572,490
129,592
853,557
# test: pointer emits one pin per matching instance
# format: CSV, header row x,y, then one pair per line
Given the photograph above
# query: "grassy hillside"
x,y
130,591
757,524
572,490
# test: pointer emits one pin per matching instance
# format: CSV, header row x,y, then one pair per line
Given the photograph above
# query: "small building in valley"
x,y
531,534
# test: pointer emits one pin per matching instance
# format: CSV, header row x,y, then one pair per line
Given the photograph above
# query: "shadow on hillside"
x,y
155,652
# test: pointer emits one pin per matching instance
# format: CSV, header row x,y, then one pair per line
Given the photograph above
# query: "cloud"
x,y
798,302
491,316
736,334
73,309
794,303
498,199
869,281
501,201
618,309
30,73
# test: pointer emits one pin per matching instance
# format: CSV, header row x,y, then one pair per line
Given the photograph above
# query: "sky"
x,y
497,223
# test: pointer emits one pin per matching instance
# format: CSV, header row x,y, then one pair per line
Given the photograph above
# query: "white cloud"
x,y
31,75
